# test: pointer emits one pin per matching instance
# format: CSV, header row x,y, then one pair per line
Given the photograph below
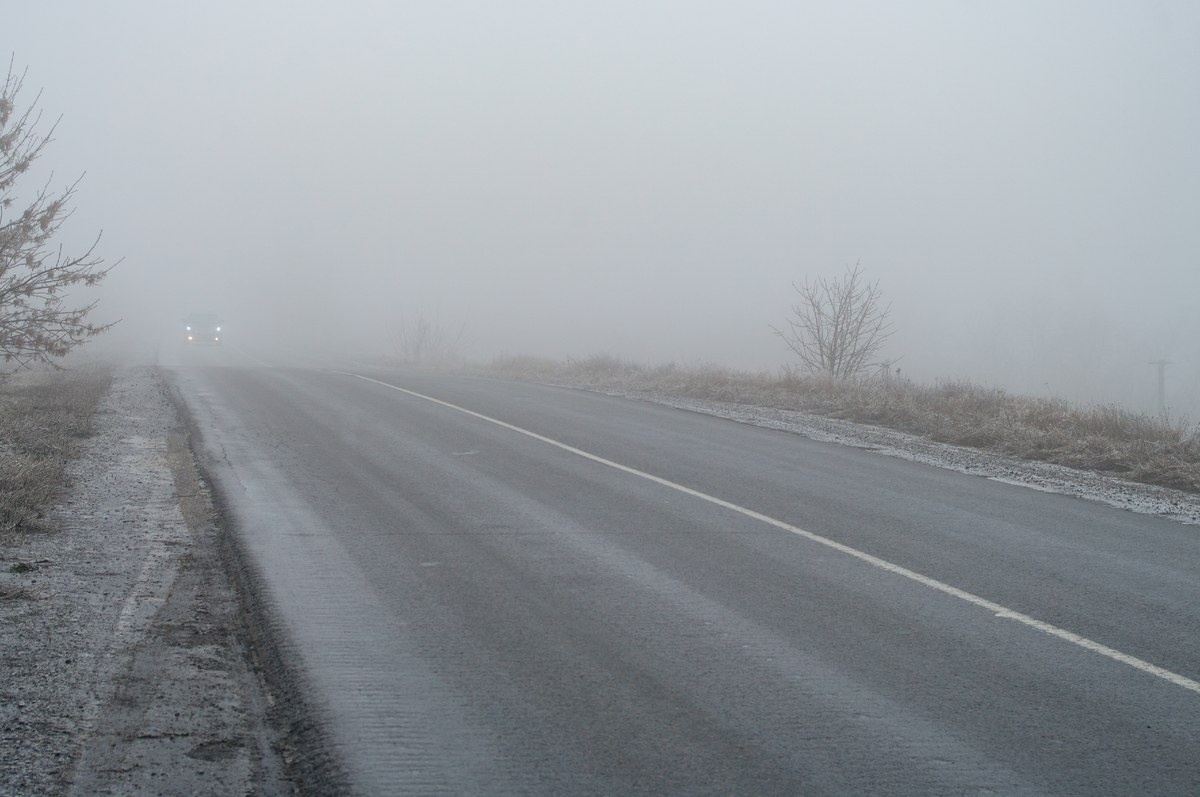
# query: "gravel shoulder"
x,y
125,656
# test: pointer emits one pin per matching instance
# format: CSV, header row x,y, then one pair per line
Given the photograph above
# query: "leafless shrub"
x,y
838,326
420,340
37,325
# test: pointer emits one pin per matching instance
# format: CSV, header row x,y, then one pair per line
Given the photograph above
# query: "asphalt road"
x,y
498,588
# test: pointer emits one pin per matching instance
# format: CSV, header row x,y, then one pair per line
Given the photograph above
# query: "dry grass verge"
x,y
1138,447
44,416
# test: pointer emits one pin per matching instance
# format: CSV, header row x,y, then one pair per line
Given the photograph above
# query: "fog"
x,y
644,179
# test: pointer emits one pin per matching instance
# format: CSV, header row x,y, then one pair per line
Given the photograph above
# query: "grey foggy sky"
x,y
647,179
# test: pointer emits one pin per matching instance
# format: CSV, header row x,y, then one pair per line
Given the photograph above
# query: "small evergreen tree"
x,y
37,322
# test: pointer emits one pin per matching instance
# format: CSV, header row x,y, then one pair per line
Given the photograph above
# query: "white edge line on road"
x,y
245,353
875,561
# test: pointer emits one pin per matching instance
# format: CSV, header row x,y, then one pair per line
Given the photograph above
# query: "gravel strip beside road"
x,y
123,655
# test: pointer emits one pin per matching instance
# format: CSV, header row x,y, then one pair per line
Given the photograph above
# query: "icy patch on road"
x,y
1141,498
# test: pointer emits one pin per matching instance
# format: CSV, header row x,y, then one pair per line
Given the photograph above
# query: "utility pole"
x,y
1162,384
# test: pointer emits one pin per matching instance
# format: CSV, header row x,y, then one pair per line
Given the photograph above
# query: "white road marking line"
x,y
248,355
995,608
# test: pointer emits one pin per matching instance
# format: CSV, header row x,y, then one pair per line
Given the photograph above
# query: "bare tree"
x,y
37,324
422,341
838,325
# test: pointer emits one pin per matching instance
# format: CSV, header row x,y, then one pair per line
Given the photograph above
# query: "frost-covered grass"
x,y
1138,447
44,415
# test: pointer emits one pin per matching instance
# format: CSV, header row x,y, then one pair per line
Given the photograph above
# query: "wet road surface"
x,y
499,588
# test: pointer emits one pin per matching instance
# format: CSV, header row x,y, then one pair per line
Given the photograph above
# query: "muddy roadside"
x,y
125,658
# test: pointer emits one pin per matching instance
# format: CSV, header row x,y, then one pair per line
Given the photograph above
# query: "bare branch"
x,y
422,341
839,325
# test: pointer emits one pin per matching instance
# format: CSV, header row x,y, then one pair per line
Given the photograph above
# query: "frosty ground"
x,y
125,662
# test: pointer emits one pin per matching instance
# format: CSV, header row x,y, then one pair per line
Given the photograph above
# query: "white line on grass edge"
x,y
997,609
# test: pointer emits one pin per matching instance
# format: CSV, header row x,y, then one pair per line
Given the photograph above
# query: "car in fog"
x,y
204,328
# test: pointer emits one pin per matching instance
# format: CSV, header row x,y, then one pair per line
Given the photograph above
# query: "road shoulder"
x,y
127,668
